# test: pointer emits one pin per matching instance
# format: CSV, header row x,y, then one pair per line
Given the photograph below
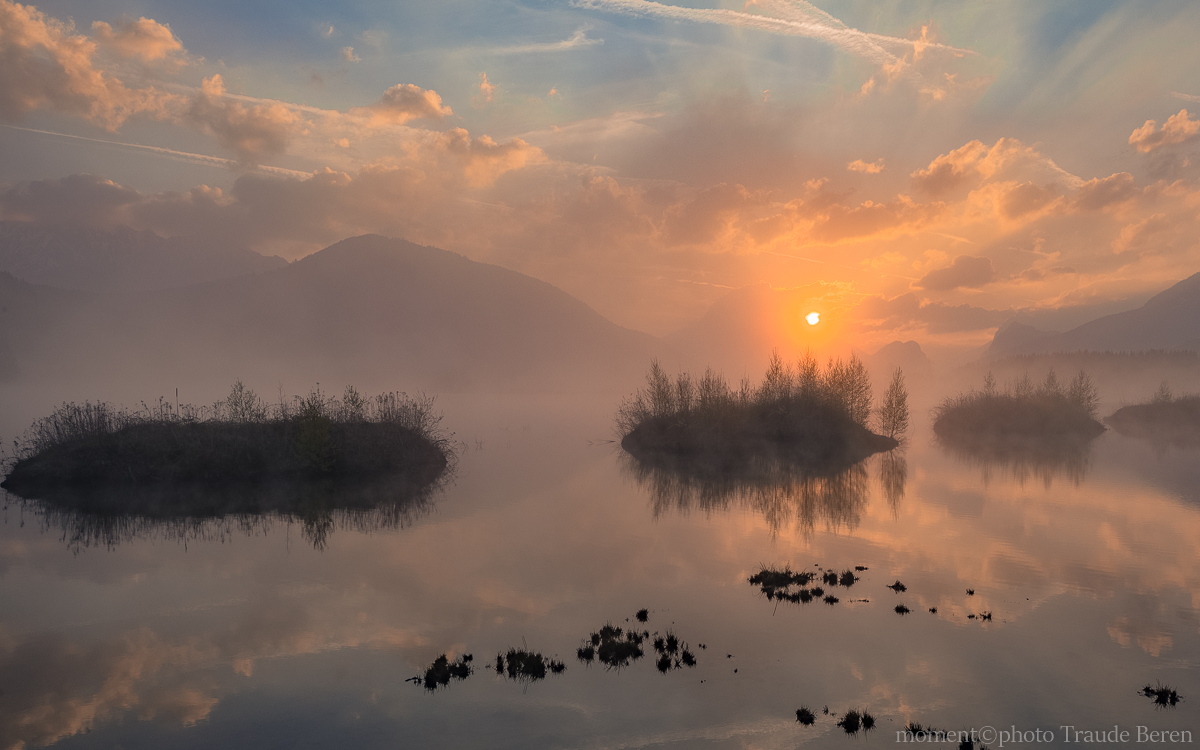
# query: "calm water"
x,y
245,634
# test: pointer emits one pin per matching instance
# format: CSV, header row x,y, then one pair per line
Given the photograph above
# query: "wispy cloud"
x,y
802,19
578,39
1186,97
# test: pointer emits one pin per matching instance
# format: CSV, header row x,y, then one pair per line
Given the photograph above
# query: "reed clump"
x,y
1165,418
239,439
1021,412
804,415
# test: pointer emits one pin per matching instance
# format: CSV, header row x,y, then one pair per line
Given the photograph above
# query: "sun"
x,y
813,318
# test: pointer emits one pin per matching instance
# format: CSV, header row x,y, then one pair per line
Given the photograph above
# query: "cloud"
x,y
146,39
349,56
1177,129
484,159
907,311
966,271
77,199
404,102
45,65
577,40
858,165
974,163
1186,97
487,91
252,132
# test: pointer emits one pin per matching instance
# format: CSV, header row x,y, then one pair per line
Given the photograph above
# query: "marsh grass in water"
x,y
525,666
805,716
805,417
1164,696
241,438
105,474
1021,412
439,674
613,647
1164,420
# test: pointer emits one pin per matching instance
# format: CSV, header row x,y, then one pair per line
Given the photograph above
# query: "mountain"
x,y
1168,320
373,311
907,355
77,257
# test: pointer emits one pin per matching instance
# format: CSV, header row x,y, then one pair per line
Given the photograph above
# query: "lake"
x,y
251,633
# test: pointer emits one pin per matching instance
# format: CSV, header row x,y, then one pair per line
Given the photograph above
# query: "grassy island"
x,y
806,419
1165,419
1021,413
164,452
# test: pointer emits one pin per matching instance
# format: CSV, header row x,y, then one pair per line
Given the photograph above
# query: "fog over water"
x,y
252,635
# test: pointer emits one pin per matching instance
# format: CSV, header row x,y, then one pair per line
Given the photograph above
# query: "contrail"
x,y
184,156
806,20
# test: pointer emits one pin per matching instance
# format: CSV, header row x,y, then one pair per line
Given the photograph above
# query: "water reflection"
x,y
893,477
109,517
783,494
1023,459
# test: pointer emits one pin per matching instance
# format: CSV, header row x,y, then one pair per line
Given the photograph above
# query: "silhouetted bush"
x,y
803,417
236,440
1164,419
1020,411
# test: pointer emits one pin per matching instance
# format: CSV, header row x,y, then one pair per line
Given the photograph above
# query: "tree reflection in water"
x,y
893,478
1024,458
108,518
785,495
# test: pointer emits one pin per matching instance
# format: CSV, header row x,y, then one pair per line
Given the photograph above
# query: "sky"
x,y
917,170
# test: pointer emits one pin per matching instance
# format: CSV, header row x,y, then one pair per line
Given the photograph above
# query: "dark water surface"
x,y
261,632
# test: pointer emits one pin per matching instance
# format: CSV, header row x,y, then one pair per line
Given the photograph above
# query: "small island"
x,y
105,458
804,418
1021,415
1164,419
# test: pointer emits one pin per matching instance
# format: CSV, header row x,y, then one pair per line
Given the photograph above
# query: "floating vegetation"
x,y
985,616
854,720
970,592
902,610
831,599
643,615
672,653
614,647
898,587
970,617
526,666
1164,696
933,610
443,670
805,716
860,568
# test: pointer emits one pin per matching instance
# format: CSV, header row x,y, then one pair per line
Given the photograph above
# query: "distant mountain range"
x,y
372,311
77,257
1168,320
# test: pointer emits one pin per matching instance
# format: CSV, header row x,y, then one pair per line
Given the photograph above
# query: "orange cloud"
x,y
146,39
1177,129
404,102
251,131
44,65
858,165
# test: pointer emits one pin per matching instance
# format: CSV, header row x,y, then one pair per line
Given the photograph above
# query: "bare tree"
x,y
893,415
